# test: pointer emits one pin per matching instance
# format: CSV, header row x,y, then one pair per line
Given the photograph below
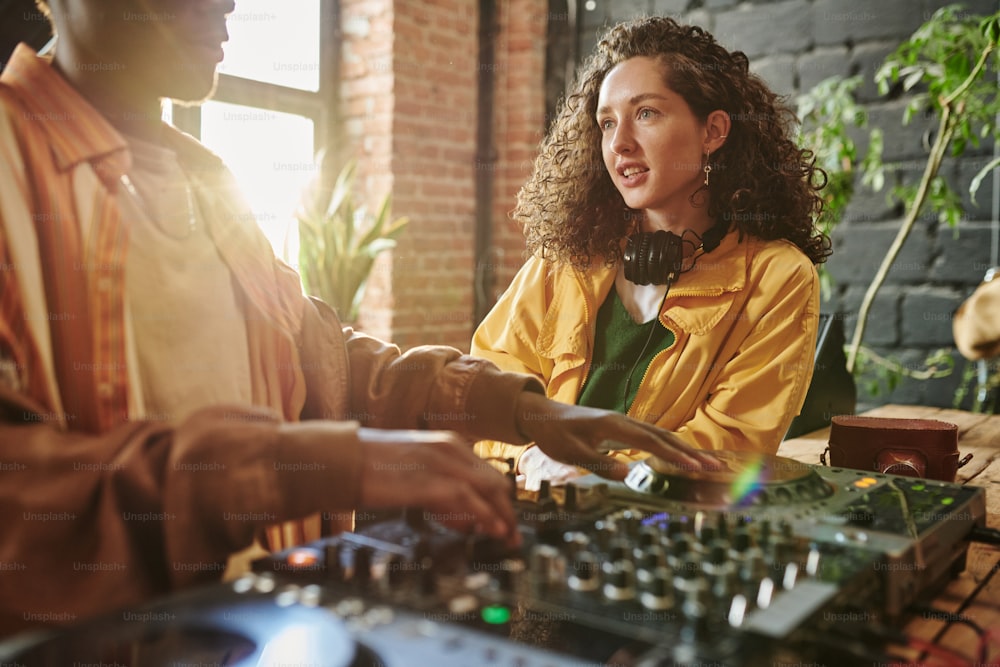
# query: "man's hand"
x,y
580,436
438,471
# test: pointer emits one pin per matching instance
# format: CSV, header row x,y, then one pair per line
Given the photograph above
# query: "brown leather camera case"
x,y
910,447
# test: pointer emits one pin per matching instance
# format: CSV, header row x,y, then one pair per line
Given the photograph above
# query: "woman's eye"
x,y
645,113
606,124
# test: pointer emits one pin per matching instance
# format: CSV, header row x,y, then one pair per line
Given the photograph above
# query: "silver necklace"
x,y
192,221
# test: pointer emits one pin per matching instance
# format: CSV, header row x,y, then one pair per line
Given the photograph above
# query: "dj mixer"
x,y
765,561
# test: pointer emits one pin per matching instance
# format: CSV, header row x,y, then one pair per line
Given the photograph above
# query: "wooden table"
x,y
975,594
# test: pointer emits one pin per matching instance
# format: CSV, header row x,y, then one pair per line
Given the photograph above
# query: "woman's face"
x,y
653,145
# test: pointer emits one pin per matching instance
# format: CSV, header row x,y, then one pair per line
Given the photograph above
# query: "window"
x,y
270,113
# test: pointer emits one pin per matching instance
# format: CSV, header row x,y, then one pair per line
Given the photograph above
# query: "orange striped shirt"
x,y
63,243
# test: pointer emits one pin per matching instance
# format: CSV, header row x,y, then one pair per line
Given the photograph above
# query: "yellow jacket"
x,y
744,321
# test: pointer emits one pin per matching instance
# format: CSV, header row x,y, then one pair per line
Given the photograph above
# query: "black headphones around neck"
x,y
653,257
657,258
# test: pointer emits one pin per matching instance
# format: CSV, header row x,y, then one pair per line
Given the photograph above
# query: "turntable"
x,y
743,479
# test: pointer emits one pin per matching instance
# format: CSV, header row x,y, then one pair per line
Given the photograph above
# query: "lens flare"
x,y
747,482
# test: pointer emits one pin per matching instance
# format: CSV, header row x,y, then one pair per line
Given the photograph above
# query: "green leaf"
x,y
335,257
977,180
912,76
990,27
377,246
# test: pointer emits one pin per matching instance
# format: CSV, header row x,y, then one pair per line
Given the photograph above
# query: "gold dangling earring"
x,y
708,167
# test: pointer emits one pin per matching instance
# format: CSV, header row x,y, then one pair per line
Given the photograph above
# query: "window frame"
x,y
321,106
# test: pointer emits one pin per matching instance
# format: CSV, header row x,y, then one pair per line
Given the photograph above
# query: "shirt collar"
x,y
77,131
714,273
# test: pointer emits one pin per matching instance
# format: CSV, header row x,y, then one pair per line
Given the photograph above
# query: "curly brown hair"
x,y
762,183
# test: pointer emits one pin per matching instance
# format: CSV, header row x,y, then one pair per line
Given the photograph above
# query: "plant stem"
x,y
955,94
945,130
925,374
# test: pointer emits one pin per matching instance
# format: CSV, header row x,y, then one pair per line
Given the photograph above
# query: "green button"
x,y
947,501
918,487
496,614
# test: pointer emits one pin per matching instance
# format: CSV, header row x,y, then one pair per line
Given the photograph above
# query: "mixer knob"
x,y
395,574
508,574
764,533
361,569
547,565
576,542
619,580
620,549
631,522
782,551
680,549
570,497
648,536
652,558
480,548
675,528
334,566
722,526
584,572
657,592
753,566
720,571
428,578
689,576
741,539
604,531
695,611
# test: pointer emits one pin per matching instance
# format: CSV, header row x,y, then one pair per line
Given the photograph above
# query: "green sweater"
x,y
620,351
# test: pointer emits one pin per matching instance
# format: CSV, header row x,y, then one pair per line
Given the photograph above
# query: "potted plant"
x,y
339,241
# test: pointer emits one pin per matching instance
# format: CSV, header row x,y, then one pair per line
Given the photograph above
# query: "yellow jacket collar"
x,y
698,300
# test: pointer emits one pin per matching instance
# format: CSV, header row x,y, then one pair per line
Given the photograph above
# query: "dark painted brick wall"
x,y
794,44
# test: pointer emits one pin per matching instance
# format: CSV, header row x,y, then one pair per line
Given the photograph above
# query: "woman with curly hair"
x,y
670,226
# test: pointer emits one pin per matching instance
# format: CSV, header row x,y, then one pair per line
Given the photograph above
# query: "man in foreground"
x,y
166,391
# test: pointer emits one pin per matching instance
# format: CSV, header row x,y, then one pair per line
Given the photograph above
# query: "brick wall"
x,y
367,78
434,141
794,44
409,104
519,124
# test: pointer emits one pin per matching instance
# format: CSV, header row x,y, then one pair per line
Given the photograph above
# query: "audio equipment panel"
x,y
765,561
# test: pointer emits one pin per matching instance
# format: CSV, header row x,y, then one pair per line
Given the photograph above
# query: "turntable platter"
x,y
743,479
203,627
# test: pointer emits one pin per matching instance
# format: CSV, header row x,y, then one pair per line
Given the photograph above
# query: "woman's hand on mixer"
x,y
581,436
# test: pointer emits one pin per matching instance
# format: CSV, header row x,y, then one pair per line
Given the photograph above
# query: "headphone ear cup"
x,y
652,257
642,259
628,259
658,244
673,256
